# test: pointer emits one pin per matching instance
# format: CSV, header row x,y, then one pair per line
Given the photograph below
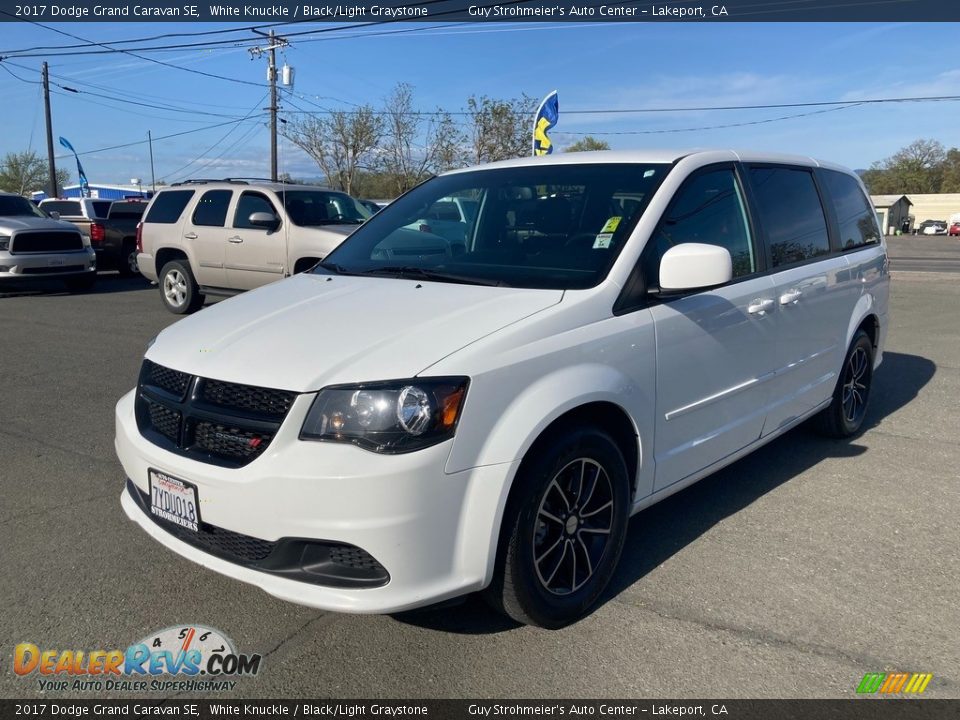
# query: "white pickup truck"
x,y
81,212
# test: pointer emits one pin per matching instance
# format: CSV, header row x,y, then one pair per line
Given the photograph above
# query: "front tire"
x,y
563,530
844,416
179,289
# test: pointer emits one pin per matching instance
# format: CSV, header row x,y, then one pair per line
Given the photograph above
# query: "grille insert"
x,y
273,403
212,421
44,242
52,270
353,557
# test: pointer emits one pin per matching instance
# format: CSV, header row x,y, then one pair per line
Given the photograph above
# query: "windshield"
x,y
538,226
310,208
16,206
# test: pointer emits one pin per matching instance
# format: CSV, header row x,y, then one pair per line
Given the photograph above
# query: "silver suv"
x,y
220,237
33,245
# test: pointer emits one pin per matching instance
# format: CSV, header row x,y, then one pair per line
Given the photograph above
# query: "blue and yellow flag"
x,y
546,118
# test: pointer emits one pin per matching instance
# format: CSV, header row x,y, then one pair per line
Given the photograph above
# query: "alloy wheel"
x,y
175,288
573,526
855,386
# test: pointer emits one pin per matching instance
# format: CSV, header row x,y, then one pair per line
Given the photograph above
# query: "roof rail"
x,y
203,181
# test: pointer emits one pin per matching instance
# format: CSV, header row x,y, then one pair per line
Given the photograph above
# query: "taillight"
x,y
97,233
140,237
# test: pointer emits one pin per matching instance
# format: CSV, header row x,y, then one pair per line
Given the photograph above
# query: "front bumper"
x,y
41,265
434,533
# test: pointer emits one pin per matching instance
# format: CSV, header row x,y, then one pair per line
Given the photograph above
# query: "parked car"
x,y
370,205
80,212
114,238
448,217
33,245
207,237
407,422
932,227
954,229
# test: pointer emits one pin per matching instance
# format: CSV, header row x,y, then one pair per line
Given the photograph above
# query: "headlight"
x,y
395,416
4,242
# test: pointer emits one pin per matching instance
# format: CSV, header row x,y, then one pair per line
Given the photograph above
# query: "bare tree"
x,y
342,144
416,145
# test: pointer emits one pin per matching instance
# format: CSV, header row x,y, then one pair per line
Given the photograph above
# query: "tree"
x,y
342,144
916,168
588,143
23,172
499,129
415,145
950,182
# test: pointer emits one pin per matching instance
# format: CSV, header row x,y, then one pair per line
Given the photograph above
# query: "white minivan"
x,y
417,418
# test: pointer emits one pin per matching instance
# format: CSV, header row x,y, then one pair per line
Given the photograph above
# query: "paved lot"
x,y
924,253
791,573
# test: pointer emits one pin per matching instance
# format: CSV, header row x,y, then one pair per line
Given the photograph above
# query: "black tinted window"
x,y
211,211
102,207
790,210
855,216
248,204
708,208
127,210
168,205
64,207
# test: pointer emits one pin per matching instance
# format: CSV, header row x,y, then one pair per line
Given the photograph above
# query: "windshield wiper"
x,y
412,271
334,267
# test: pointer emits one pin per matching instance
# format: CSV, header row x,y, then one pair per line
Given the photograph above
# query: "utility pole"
x,y
51,163
153,176
271,50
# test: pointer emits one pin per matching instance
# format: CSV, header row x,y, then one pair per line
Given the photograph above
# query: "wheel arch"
x,y
166,254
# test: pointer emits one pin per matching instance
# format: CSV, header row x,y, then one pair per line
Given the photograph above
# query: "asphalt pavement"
x,y
789,574
924,253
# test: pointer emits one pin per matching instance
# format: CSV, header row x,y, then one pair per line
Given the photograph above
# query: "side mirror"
x,y
54,215
694,266
264,220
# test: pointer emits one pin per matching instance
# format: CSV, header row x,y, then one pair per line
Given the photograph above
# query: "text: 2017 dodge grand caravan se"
x,y
419,418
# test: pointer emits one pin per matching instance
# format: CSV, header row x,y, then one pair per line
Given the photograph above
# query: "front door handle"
x,y
235,239
191,236
760,306
790,296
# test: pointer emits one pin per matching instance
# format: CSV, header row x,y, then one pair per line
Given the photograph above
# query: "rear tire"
x,y
80,283
128,259
563,529
844,416
178,288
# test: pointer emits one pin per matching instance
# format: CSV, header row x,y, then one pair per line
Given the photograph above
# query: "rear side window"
x,y
791,213
855,216
248,204
168,205
101,208
211,211
708,208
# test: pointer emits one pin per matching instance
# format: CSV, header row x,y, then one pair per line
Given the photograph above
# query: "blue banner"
x,y
84,185
547,116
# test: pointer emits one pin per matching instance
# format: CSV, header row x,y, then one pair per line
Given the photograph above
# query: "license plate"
x,y
174,500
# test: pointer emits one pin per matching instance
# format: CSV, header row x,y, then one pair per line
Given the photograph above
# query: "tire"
x,y
128,259
178,288
80,283
538,526
844,416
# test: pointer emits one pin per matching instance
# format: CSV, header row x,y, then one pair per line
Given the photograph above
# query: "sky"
x,y
604,66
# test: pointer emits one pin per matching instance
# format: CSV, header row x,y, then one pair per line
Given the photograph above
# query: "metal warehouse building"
x,y
102,192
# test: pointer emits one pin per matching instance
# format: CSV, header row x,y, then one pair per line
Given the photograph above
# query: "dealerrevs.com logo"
x,y
185,658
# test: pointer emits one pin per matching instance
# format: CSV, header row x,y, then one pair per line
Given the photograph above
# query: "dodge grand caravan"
x,y
418,418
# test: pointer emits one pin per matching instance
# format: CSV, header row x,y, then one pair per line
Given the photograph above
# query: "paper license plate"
x,y
174,500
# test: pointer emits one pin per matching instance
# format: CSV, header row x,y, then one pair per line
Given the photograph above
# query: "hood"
x,y
33,223
310,331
